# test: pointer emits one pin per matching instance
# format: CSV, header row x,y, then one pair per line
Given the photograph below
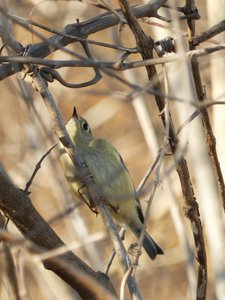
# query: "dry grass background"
x,y
25,134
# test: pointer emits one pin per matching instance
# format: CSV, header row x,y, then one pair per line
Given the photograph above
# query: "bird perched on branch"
x,y
111,176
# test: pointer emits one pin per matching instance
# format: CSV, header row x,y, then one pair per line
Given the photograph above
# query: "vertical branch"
x,y
11,271
146,46
211,209
210,138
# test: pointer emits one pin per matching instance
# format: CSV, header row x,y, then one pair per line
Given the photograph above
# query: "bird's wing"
x,y
112,175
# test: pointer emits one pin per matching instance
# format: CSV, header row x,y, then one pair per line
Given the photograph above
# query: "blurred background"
x,y
133,125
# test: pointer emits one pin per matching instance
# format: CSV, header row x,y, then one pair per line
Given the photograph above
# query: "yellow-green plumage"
x,y
111,176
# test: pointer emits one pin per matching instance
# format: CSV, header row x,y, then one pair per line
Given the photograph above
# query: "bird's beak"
x,y
75,113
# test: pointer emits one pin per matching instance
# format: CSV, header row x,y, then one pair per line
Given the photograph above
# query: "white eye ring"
x,y
85,126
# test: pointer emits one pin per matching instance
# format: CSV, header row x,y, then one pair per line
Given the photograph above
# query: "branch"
x,y
146,45
77,30
38,166
86,178
17,206
120,66
209,135
206,35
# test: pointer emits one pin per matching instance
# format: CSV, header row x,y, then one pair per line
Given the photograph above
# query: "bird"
x,y
111,176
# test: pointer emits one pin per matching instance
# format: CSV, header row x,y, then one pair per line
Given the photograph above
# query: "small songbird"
x,y
111,176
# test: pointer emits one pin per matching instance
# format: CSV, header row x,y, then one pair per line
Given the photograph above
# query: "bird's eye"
x,y
85,126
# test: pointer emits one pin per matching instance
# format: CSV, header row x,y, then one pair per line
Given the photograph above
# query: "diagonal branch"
x,y
84,176
16,205
208,34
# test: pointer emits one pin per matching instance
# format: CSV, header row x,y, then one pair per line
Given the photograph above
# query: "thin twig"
x,y
21,21
38,166
113,11
123,283
11,270
111,258
149,172
157,179
50,74
120,66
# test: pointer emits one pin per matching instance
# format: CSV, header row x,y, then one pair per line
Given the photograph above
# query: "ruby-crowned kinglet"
x,y
111,176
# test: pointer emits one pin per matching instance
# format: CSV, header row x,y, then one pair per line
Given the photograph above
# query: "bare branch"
x,y
208,34
38,166
120,66
17,206
80,30
145,44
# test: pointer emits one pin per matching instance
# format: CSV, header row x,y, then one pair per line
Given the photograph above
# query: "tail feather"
x,y
151,247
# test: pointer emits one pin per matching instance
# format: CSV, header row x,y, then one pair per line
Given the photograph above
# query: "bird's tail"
x,y
150,245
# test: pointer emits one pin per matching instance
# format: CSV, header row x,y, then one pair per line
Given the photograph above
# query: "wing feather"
x,y
112,176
